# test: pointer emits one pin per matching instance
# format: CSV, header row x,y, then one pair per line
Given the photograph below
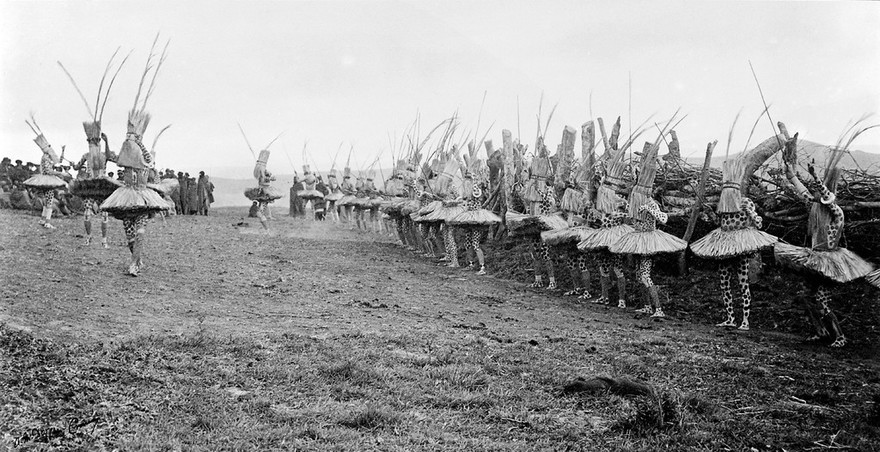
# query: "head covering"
x,y
262,160
731,194
132,153
642,192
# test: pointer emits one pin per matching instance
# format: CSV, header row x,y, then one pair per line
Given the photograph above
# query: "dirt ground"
x,y
221,276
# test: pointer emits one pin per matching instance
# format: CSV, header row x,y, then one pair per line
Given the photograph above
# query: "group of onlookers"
x,y
194,196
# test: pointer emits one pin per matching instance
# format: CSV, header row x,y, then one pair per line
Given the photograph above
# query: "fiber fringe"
x,y
720,244
840,264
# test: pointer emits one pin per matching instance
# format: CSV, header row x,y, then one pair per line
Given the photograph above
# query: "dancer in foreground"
x,y
825,263
134,203
735,242
646,241
475,220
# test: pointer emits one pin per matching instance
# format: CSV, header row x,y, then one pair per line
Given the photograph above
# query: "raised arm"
x,y
748,206
108,154
654,210
789,155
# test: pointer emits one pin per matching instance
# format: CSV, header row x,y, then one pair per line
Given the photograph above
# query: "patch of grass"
x,y
371,418
350,372
295,392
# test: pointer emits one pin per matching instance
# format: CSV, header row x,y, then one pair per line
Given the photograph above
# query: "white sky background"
x,y
355,71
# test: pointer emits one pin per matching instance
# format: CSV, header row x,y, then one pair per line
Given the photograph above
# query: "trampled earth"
x,y
316,337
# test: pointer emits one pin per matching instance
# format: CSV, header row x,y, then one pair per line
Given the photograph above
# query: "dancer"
x,y
542,215
612,205
576,205
735,242
48,180
346,208
309,191
264,193
92,184
334,195
826,263
134,203
646,241
449,186
475,220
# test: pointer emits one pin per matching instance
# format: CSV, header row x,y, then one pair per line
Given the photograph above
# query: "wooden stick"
x,y
246,141
697,207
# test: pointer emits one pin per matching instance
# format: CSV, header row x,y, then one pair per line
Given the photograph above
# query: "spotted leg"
x,y
533,252
261,214
584,267
544,253
617,267
823,297
742,275
476,236
724,271
88,210
604,278
48,203
451,247
134,229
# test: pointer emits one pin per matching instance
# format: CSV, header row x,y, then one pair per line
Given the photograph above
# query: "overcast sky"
x,y
355,71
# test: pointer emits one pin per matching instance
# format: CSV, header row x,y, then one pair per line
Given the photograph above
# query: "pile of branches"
x,y
858,194
785,214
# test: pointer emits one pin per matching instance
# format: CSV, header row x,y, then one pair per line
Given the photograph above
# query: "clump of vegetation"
x,y
371,418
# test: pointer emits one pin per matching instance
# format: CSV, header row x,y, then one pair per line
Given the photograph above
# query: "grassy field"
x,y
318,338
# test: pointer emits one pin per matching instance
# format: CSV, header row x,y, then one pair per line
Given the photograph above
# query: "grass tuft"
x,y
371,418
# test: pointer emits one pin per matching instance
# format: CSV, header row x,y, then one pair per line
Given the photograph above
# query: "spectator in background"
x,y
20,198
297,205
205,190
192,195
5,170
182,181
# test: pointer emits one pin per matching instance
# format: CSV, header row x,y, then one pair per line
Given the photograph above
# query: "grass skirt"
x,y
445,213
840,265
267,194
568,235
44,182
409,207
430,207
375,203
648,243
309,195
360,203
393,206
479,217
97,188
720,244
346,200
874,278
602,238
128,202
335,196
530,192
573,200
521,225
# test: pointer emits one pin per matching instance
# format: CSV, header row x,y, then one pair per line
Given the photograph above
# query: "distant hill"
x,y
807,151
